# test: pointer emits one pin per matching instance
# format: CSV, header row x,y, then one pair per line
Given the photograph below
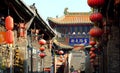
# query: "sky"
x,y
53,8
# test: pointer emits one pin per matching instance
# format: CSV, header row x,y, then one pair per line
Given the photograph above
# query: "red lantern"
x,y
92,49
92,56
42,48
42,55
36,31
22,32
42,42
96,17
9,23
9,37
22,25
92,43
61,52
91,60
91,52
95,32
95,3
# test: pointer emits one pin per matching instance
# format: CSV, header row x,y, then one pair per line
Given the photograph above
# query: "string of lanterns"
x,y
9,24
42,48
22,29
96,17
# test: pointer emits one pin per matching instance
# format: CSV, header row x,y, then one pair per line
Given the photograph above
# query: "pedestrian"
x,y
72,69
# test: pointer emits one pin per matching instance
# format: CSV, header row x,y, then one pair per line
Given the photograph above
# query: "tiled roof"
x,y
62,46
72,18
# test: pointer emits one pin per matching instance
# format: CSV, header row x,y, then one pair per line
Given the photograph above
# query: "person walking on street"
x,y
72,69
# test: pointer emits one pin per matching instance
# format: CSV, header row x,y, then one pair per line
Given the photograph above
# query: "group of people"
x,y
72,70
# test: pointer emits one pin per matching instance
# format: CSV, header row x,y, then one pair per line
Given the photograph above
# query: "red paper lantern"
x,y
95,32
42,48
36,31
9,23
91,52
22,32
42,55
92,49
92,56
95,3
96,17
61,52
42,42
92,43
9,37
91,60
22,25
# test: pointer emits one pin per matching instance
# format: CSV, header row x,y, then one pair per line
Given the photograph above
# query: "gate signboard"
x,y
73,41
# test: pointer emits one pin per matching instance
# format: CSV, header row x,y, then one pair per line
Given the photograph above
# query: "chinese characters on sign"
x,y
73,41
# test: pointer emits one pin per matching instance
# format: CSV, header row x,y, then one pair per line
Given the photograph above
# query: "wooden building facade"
x,y
23,55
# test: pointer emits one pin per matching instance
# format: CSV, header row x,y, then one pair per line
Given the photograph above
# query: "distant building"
x,y
72,28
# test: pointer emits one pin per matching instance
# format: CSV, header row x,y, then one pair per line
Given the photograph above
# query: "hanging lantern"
x,y
9,23
42,42
91,52
91,60
42,55
95,32
92,43
22,25
36,31
9,37
42,48
96,17
92,49
61,52
95,3
92,56
22,32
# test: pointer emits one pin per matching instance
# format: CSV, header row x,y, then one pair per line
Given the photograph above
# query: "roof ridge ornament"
x,y
66,11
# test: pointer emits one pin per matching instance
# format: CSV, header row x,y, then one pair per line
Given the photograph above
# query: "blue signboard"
x,y
73,41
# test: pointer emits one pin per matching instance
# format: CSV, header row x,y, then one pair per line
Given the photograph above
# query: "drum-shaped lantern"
x,y
61,52
91,52
9,24
42,48
95,3
91,60
22,25
37,31
42,55
96,17
92,43
22,32
92,56
9,37
93,49
42,42
96,32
